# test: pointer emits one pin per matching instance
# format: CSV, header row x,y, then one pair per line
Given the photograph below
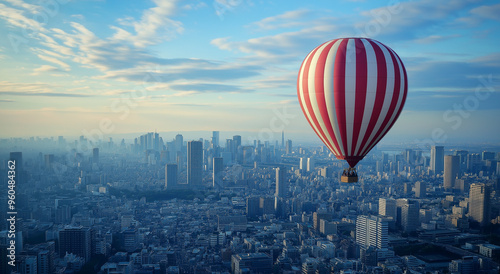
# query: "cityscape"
x,y
163,204
245,136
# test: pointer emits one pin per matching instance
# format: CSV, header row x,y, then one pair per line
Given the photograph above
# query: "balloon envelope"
x,y
352,91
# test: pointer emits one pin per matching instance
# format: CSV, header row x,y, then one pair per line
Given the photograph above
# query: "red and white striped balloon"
x,y
351,91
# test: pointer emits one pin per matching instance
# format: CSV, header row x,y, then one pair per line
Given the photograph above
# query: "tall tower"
x,y
215,139
310,164
451,171
282,139
420,189
410,216
179,142
170,176
218,172
387,208
194,163
280,182
479,203
288,148
95,155
75,240
372,231
437,159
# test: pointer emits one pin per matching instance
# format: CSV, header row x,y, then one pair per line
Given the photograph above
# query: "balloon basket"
x,y
350,175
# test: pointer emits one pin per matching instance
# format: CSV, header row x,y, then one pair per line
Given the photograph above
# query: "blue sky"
x,y
113,67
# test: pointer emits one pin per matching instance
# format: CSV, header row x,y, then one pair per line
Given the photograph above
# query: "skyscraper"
x,y
75,240
280,182
479,203
218,171
194,163
420,189
288,148
410,216
387,208
170,176
372,231
95,155
451,171
179,142
215,139
437,159
310,164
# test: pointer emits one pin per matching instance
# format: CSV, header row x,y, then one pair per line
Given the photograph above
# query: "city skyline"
x,y
187,66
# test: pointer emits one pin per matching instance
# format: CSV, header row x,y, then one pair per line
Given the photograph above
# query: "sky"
x,y
99,68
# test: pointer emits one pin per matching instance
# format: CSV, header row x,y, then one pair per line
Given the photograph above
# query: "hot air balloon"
x,y
351,91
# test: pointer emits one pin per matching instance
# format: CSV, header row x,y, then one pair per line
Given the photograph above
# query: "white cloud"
x,y
44,68
54,61
489,12
288,19
435,38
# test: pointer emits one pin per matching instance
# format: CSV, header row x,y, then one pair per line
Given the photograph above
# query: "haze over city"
x,y
242,136
187,65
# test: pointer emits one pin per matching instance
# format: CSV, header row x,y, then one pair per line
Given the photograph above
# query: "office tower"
x,y
251,263
194,163
479,203
474,163
387,208
372,231
410,216
463,158
215,139
288,148
420,189
451,171
218,171
95,155
486,155
303,163
252,209
29,265
49,159
281,187
179,142
310,164
437,159
318,216
171,176
75,240
266,205
236,142
282,139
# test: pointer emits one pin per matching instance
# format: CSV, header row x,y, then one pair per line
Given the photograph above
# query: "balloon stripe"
x,y
361,84
315,88
381,84
350,92
319,82
306,98
394,82
371,92
329,96
339,74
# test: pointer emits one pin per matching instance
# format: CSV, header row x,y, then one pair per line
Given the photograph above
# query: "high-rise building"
x,y
281,187
251,263
171,176
310,164
252,209
95,155
479,203
194,163
318,216
420,189
451,171
215,139
218,171
473,163
372,231
179,142
75,240
387,208
437,159
288,148
410,216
